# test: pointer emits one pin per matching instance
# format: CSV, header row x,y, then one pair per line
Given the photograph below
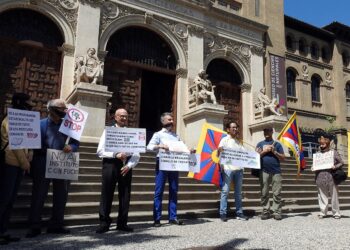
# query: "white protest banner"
x,y
127,140
194,163
74,122
240,158
176,146
174,161
61,165
24,129
322,160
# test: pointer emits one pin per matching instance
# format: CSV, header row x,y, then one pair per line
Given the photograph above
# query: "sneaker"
x,y
265,216
241,217
102,229
277,217
337,216
176,222
223,218
157,223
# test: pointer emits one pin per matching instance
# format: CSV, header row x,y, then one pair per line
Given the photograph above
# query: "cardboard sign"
x,y
24,129
240,158
61,165
178,161
322,160
127,140
74,122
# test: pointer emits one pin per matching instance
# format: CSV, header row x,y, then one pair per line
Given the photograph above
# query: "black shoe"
x,y
223,218
125,228
176,222
157,223
57,230
33,232
265,216
102,229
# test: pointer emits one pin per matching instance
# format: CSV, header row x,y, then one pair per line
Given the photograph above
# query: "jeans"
x,y
237,177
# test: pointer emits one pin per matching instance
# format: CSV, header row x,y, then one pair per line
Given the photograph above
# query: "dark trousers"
x,y
110,177
10,180
173,179
39,193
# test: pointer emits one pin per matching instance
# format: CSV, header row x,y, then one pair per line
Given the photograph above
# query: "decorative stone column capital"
x,y
181,73
246,87
102,55
68,49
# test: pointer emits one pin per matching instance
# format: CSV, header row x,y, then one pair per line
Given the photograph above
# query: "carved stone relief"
x,y
328,78
69,8
214,43
305,71
93,3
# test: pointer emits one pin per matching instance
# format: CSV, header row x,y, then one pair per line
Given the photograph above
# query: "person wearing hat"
x,y
325,182
271,153
16,162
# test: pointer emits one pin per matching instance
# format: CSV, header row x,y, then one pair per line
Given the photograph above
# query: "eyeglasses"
x,y
234,127
122,116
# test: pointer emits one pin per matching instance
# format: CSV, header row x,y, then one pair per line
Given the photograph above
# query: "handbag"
x,y
338,175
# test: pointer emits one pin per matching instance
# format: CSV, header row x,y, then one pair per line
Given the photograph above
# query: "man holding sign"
x,y
230,172
51,138
117,168
159,142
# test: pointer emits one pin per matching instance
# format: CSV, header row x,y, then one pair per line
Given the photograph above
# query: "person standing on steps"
x,y
116,168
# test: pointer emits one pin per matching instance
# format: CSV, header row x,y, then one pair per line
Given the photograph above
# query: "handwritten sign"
x,y
24,129
322,160
61,165
178,161
240,158
128,140
74,122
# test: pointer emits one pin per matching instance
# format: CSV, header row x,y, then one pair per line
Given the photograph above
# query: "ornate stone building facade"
x,y
145,55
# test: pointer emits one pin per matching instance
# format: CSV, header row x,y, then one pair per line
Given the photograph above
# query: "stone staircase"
x,y
195,198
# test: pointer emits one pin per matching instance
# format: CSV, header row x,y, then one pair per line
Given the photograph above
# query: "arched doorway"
x,y
140,71
228,91
30,60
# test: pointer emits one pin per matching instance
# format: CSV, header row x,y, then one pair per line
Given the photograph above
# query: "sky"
x,y
319,13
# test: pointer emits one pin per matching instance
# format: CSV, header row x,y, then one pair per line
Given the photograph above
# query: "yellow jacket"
x,y
19,157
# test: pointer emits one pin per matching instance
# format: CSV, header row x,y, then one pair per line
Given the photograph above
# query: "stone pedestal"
x,y
274,121
91,98
197,116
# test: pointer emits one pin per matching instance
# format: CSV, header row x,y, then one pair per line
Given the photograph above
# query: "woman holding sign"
x,y
324,179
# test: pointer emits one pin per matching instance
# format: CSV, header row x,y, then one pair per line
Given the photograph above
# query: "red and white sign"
x,y
74,122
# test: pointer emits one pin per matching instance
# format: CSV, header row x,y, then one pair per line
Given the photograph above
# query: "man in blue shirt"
x,y
51,138
271,153
158,142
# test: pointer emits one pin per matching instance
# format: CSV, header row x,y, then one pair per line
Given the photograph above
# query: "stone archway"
x,y
140,70
228,82
30,60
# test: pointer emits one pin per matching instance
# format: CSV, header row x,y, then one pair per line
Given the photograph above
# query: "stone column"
x,y
67,70
91,98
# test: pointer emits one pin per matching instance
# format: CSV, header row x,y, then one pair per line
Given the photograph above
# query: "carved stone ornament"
x,y
88,68
110,10
262,104
68,50
69,9
93,3
148,18
181,30
245,87
328,78
259,51
196,30
69,4
201,91
305,71
181,73
214,43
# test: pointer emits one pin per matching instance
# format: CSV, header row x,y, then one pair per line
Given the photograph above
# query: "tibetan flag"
x,y
207,149
290,137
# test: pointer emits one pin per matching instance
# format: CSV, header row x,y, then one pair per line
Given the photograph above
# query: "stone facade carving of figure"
x,y
88,68
265,103
205,89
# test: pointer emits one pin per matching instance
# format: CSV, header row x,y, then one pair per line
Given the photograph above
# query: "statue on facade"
x,y
265,103
88,68
204,88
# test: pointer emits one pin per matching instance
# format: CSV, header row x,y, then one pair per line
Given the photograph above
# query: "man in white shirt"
x,y
231,173
158,142
117,168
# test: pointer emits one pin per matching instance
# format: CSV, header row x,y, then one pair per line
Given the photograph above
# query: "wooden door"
x,y
30,69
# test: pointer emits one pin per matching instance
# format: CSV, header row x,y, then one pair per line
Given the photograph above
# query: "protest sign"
x,y
128,140
61,165
176,146
240,158
24,129
322,160
178,161
74,122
